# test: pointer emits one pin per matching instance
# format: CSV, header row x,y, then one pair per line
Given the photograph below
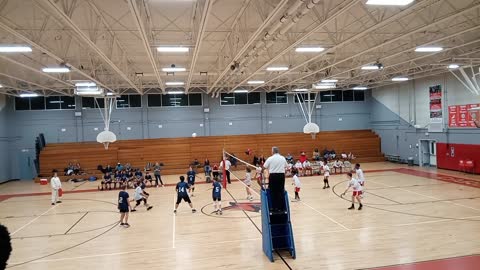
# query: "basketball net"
x,y
106,136
307,106
105,144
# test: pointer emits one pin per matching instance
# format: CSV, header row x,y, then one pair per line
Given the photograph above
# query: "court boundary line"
x,y
417,262
33,220
174,223
76,223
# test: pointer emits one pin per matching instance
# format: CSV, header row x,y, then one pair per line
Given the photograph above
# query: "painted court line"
x,y
33,220
174,221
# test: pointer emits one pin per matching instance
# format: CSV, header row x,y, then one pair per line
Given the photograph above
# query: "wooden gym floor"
x,y
413,218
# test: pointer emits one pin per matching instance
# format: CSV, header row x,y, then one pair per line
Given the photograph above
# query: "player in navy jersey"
x,y
217,196
118,179
182,194
138,175
148,177
191,179
124,206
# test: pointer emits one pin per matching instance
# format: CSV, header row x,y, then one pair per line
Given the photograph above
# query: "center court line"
x,y
33,220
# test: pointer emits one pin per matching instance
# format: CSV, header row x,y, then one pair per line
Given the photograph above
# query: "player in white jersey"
x,y
360,177
357,191
248,183
326,174
297,184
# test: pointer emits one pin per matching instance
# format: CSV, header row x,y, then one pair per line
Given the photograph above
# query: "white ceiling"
x,y
113,41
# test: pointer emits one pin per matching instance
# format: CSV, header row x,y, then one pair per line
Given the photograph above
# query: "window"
x,y
154,100
22,104
195,99
277,98
129,101
53,103
176,100
37,103
67,103
359,95
304,97
239,98
326,96
348,95
92,103
254,98
337,96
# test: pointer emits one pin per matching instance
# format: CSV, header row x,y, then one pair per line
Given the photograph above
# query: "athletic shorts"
x,y
326,174
357,193
185,198
297,189
361,184
218,199
191,184
140,201
123,210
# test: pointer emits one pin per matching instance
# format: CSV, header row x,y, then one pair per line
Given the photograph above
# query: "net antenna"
x,y
471,83
307,106
106,136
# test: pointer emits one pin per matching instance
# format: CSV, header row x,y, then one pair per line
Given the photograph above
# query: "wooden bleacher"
x,y
178,153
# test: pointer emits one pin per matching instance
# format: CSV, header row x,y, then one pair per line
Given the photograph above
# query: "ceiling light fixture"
x,y
277,68
255,82
87,84
173,69
329,81
174,83
175,92
173,49
389,2
428,49
29,95
241,91
56,70
453,66
300,90
360,88
309,49
9,49
371,67
400,79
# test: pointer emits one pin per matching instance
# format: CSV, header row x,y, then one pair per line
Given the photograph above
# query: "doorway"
x,y
428,153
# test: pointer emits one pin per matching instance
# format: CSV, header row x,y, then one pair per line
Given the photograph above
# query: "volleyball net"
x,y
243,174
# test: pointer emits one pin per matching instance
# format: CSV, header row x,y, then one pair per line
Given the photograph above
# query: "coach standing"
x,y
276,165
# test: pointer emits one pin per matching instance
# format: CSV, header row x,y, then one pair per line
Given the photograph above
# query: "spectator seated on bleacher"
x,y
108,169
344,156
138,175
338,165
299,167
350,156
255,160
289,158
206,167
332,154
148,177
128,167
107,181
261,160
119,167
316,154
215,171
307,166
288,171
233,160
70,169
302,157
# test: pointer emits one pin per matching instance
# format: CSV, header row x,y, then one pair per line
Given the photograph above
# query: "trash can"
x,y
410,161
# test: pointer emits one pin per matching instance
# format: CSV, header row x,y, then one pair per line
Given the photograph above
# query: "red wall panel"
x,y
449,154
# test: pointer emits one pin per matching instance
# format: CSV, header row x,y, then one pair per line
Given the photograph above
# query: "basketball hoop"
x,y
106,137
307,106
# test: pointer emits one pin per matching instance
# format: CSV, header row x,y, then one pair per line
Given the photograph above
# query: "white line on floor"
x,y
33,220
174,220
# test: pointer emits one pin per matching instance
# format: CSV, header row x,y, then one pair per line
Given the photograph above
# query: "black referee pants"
x,y
228,176
276,184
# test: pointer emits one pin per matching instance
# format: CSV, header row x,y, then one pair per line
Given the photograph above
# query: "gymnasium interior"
x,y
390,85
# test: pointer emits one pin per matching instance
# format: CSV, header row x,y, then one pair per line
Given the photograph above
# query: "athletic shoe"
x,y
324,187
133,210
174,211
121,224
193,195
360,207
351,207
126,225
216,212
250,199
53,203
193,210
150,207
220,212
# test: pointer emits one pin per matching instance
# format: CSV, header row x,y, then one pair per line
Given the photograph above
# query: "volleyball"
x,y
194,135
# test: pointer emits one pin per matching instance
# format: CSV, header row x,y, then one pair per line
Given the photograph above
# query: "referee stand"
x,y
277,233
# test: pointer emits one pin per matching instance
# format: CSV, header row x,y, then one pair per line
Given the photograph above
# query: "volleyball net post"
x,y
224,170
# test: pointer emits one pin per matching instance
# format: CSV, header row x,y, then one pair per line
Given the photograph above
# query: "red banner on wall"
x,y
458,116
